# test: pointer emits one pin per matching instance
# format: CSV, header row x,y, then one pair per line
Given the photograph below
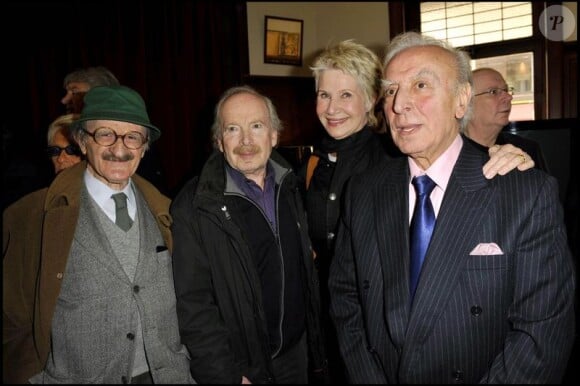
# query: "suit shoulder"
x,y
532,175
386,166
387,170
527,183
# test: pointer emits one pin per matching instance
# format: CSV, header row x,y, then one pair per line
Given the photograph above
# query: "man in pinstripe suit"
x,y
495,298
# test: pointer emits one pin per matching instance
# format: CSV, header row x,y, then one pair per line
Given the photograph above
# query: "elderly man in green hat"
x,y
88,288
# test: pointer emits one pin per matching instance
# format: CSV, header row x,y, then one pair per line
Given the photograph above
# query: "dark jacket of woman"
x,y
219,296
355,154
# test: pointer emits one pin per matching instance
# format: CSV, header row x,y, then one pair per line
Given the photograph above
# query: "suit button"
x,y
458,375
332,196
136,289
476,310
366,284
130,336
330,235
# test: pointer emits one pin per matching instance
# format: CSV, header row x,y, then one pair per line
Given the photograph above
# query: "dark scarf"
x,y
331,145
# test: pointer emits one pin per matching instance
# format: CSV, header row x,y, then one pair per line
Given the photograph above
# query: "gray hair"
x,y
413,39
355,60
217,127
94,76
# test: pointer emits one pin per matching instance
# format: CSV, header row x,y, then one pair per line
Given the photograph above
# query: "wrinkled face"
x,y
340,104
422,104
114,164
63,160
490,111
73,99
247,137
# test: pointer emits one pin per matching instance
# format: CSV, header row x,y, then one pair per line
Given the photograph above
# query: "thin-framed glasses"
x,y
105,136
497,92
55,151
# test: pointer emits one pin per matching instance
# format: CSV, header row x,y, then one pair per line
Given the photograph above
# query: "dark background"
x,y
179,55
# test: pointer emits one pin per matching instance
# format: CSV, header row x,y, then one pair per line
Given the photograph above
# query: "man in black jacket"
x,y
247,294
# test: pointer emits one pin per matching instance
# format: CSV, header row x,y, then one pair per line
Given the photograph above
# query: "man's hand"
x,y
504,158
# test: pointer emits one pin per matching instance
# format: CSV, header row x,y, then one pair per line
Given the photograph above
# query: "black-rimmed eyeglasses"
x,y
106,136
496,92
55,151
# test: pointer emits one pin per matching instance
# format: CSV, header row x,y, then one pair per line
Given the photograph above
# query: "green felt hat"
x,y
117,103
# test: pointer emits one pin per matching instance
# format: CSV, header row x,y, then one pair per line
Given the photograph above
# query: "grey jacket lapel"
x,y
151,239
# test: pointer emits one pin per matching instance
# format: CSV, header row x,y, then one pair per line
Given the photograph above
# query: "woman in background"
x,y
62,149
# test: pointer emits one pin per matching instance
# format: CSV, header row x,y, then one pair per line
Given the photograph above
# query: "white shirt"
x,y
101,193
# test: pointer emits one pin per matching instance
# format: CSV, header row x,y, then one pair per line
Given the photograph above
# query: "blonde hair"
x,y
355,60
62,124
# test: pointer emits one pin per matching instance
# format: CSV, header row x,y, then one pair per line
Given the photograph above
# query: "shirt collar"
x,y
440,170
101,193
242,182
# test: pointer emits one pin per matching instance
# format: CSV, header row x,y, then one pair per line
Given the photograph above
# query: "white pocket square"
x,y
486,249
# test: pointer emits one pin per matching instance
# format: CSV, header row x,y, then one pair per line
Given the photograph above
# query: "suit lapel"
x,y
394,246
464,205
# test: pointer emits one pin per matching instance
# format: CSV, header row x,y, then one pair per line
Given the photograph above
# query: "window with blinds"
x,y
467,24
472,23
517,70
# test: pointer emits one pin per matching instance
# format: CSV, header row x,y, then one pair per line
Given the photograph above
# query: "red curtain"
x,y
179,54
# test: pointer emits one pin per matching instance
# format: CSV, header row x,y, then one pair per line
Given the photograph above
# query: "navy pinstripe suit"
x,y
493,319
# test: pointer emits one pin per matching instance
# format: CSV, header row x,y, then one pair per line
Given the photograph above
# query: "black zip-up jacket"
x,y
219,298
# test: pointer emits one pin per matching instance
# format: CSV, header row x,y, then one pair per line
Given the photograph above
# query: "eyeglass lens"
x,y
105,136
497,92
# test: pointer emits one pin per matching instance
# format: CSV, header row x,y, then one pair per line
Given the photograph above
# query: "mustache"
x,y
114,158
247,149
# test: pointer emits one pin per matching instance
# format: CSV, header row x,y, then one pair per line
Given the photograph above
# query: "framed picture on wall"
x,y
283,41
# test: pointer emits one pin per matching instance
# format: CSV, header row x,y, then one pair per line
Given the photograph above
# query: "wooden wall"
x,y
295,101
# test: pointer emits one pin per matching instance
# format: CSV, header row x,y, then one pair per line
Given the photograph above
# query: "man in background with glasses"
x,y
492,104
88,292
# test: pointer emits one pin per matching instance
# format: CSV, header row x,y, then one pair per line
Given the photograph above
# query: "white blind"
x,y
471,23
